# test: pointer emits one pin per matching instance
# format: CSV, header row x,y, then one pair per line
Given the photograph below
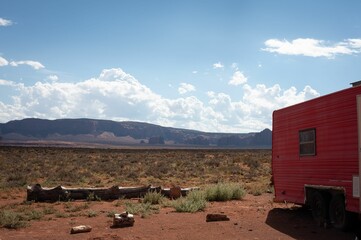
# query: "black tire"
x,y
319,208
338,215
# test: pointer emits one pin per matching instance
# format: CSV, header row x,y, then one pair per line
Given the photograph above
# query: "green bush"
x,y
33,215
142,209
153,198
224,192
195,201
12,220
91,213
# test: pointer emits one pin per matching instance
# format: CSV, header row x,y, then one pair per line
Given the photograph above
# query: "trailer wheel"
x,y
319,208
338,215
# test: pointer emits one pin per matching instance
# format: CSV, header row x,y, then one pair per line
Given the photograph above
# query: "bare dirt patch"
x,y
255,217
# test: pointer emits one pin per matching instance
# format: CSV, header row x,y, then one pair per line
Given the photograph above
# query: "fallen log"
x,y
173,192
80,229
38,193
60,193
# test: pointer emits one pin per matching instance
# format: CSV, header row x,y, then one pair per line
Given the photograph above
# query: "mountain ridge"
x,y
126,132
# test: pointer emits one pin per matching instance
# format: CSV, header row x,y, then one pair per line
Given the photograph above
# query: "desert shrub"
x,y
12,220
224,192
16,179
111,213
49,210
61,215
142,209
252,162
195,201
72,207
33,215
258,188
91,213
153,198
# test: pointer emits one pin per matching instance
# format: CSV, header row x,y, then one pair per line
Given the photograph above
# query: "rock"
x,y
216,217
80,229
124,219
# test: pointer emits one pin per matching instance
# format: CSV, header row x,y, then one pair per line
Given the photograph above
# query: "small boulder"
x,y
124,219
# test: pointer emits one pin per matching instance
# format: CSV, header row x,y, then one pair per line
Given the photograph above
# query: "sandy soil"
x,y
255,217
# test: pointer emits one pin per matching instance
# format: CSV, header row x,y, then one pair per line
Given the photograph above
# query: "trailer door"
x,y
357,179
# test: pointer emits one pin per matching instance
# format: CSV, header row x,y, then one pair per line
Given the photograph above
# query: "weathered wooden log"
x,y
80,229
170,193
40,194
216,217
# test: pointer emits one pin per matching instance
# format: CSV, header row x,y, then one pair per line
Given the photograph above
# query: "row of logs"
x,y
38,193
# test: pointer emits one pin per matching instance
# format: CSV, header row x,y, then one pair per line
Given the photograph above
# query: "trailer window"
x,y
307,142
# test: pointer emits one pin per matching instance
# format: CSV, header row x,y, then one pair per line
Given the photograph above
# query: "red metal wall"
x,y
334,117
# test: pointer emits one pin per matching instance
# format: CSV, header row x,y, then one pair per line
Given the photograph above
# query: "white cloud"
x,y
218,65
5,22
117,95
354,43
53,78
313,47
185,88
194,72
7,83
34,64
3,62
238,78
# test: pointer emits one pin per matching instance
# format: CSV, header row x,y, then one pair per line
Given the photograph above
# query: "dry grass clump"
x,y
224,192
195,201
142,209
153,198
11,219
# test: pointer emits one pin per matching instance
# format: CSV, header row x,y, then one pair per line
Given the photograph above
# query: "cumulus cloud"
x,y
53,78
5,22
218,65
3,62
7,83
313,47
117,95
238,78
34,64
185,88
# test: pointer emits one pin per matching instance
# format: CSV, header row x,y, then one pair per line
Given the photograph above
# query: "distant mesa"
x,y
112,133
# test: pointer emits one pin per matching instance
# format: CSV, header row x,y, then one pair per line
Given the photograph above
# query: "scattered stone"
x,y
80,229
216,217
124,219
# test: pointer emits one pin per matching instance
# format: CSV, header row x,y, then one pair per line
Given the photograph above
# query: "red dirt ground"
x,y
255,217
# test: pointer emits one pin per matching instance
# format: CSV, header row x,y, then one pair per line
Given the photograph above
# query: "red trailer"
x,y
316,156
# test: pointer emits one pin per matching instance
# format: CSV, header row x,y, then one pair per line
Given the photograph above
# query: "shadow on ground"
x,y
297,222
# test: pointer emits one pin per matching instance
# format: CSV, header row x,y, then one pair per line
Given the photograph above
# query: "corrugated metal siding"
x,y
334,117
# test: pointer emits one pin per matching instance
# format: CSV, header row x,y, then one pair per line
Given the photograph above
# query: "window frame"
x,y
303,151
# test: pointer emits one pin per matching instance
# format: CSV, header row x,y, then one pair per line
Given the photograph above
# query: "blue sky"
x,y
216,66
